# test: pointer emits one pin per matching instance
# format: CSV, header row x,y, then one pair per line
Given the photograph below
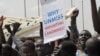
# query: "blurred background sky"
x,y
15,8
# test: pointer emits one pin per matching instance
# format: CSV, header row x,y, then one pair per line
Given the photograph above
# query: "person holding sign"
x,y
78,38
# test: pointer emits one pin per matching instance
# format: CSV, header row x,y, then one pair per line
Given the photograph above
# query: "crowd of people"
x,y
75,44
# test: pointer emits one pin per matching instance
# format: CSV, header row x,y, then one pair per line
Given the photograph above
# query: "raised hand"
x,y
15,27
2,18
12,32
75,13
2,37
7,26
73,27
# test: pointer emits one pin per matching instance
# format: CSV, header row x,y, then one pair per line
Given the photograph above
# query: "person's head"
x,y
83,37
28,48
93,46
6,50
68,48
30,38
23,39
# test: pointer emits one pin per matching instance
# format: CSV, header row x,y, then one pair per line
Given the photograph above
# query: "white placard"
x,y
53,19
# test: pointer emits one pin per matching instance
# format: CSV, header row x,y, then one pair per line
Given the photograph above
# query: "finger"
x,y
2,18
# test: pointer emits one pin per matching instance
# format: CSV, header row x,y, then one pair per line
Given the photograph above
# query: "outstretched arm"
x,y
73,27
2,37
15,28
17,42
41,29
7,26
95,16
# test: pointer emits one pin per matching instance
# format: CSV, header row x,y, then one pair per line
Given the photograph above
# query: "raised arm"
x,y
12,37
2,37
41,29
73,27
7,26
12,32
95,16
16,41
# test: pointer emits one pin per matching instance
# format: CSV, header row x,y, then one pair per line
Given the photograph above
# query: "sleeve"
x,y
18,43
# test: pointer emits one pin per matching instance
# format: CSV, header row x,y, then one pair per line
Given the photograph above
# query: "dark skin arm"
x,y
9,30
41,29
95,16
15,28
2,37
73,27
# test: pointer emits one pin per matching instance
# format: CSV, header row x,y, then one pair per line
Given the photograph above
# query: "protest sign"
x,y
53,19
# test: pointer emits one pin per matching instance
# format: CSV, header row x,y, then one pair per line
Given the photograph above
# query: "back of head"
x,y
68,48
93,46
28,48
23,39
29,44
6,50
30,38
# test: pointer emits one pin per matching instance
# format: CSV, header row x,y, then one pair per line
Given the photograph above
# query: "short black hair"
x,y
87,32
6,49
93,46
69,48
29,44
